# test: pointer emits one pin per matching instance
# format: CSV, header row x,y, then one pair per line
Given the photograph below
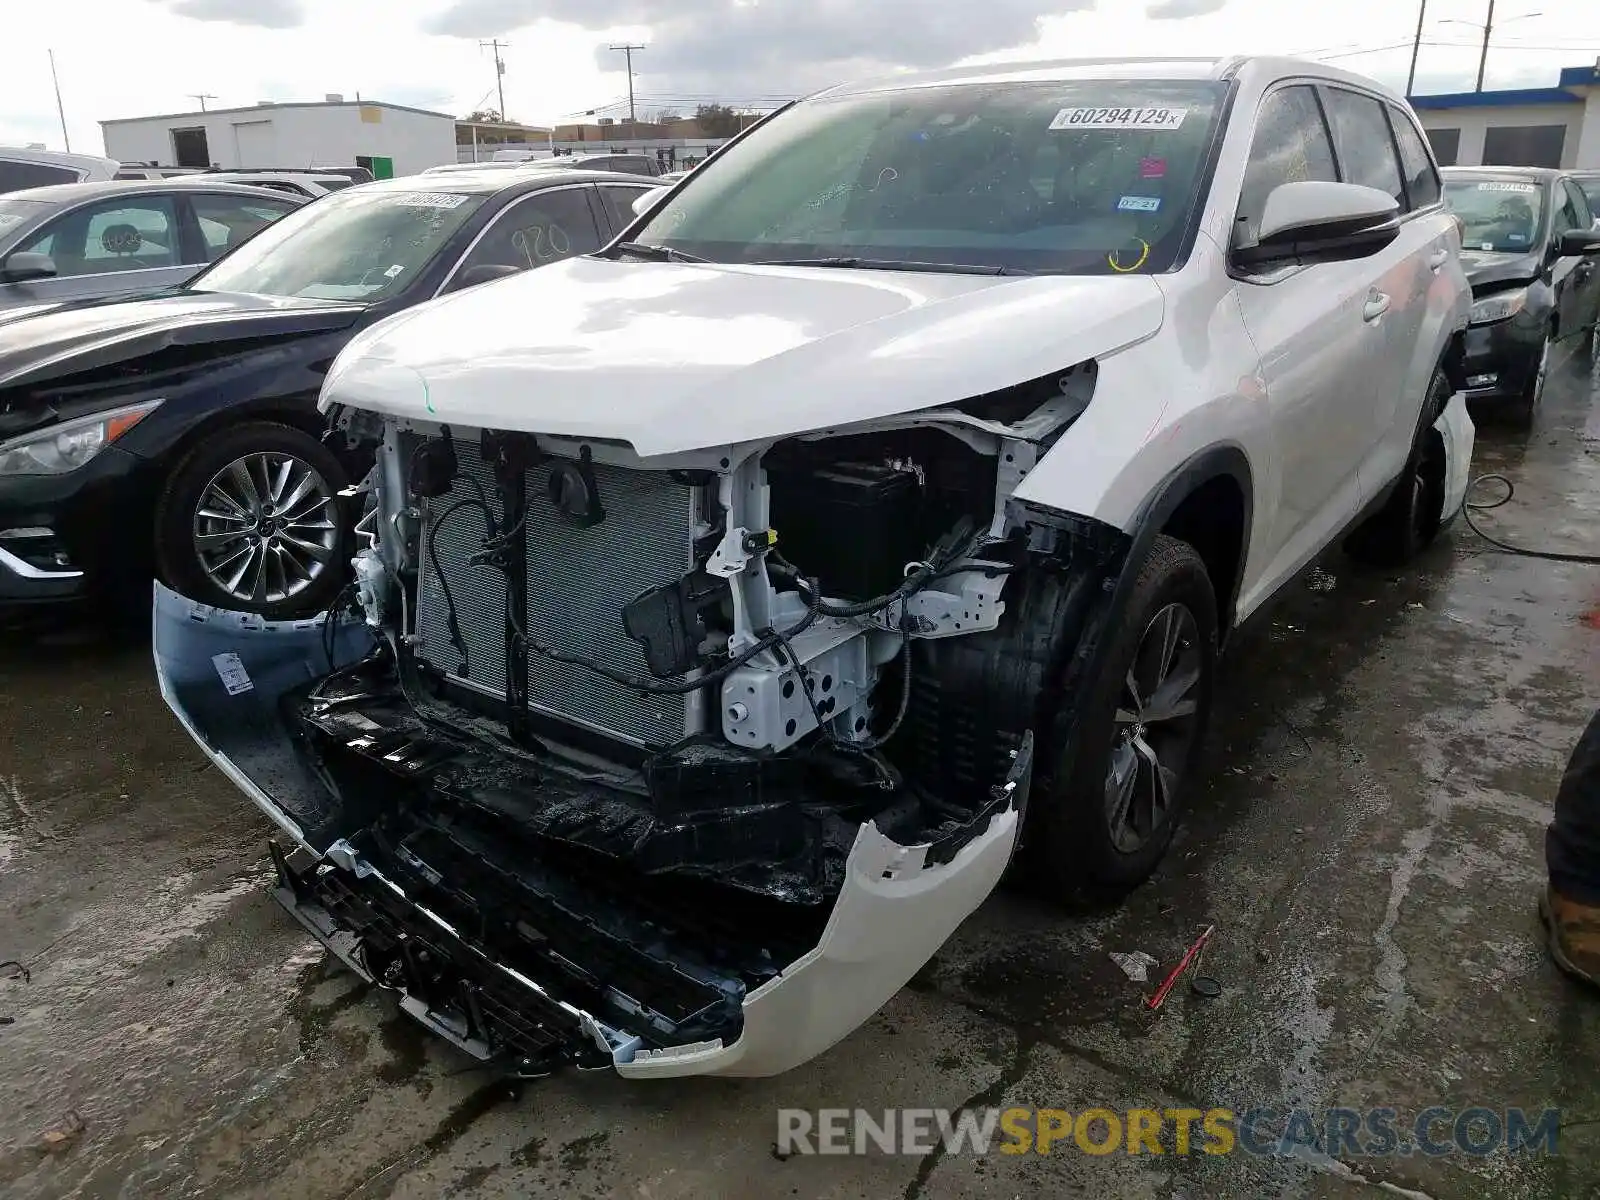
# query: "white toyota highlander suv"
x,y
737,600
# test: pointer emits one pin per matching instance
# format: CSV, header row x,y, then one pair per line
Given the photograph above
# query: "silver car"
x,y
87,240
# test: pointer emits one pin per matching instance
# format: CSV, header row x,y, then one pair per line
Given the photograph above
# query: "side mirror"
x,y
483,273
25,265
645,201
1319,222
1579,241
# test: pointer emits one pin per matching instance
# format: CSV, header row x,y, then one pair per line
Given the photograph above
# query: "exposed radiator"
x,y
578,582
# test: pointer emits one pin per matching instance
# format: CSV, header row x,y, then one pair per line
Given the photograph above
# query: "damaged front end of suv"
x,y
682,764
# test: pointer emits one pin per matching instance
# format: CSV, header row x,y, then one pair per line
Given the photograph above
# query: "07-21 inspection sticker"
x,y
1119,118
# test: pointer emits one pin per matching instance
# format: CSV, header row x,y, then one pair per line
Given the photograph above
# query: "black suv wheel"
x,y
1106,820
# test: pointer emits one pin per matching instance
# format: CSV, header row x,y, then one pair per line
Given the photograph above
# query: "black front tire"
x,y
178,563
1524,409
1075,847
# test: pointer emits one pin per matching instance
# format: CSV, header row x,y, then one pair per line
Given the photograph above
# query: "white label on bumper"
x,y
234,677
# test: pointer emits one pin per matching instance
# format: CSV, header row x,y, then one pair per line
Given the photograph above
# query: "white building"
x,y
387,139
1530,127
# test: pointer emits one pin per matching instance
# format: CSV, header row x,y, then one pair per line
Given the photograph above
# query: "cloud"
x,y
267,14
773,47
1176,10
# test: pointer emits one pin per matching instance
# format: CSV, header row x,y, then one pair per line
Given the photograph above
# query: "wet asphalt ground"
x,y
1367,841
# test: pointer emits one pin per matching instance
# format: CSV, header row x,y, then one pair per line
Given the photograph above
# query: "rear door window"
x,y
1422,181
1362,140
226,221
14,176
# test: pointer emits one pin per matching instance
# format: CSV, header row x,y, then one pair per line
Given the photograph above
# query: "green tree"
x,y
718,120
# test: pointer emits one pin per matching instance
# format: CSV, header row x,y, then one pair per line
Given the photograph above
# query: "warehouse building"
x,y
387,139
1529,127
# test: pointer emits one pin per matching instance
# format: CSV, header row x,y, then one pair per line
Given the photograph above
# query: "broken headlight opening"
x,y
684,766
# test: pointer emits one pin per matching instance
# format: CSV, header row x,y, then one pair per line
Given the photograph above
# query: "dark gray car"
x,y
87,240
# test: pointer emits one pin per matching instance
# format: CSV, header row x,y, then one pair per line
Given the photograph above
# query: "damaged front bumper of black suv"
x,y
487,890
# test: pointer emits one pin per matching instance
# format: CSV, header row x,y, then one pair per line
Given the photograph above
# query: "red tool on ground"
x,y
1160,996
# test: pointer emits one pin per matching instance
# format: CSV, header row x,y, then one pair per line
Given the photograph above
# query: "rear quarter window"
x,y
14,176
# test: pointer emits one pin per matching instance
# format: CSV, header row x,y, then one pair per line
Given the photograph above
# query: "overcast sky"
x,y
125,58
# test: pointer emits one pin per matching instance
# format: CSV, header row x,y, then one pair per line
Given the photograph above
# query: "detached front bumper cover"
x,y
230,677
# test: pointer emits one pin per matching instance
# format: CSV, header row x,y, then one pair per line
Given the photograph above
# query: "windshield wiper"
x,y
894,264
657,253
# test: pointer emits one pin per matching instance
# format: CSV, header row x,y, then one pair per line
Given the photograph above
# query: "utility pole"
x,y
497,45
202,97
627,49
1483,58
60,111
1416,47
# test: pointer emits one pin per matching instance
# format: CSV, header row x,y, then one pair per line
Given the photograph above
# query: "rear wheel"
x,y
251,520
1413,515
1105,821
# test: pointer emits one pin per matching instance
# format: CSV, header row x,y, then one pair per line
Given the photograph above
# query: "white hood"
x,y
672,357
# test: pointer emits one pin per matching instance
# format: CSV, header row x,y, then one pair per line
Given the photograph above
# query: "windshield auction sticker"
x,y
1505,185
1119,118
430,200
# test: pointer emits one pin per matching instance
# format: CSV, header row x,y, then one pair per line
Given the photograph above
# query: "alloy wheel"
x,y
1154,728
265,528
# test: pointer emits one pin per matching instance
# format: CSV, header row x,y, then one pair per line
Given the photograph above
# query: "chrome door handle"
x,y
1437,259
1377,305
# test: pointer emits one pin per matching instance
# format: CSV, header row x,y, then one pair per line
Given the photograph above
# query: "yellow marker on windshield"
x,y
1144,253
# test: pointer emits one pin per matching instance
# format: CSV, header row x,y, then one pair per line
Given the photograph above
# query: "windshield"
x,y
1080,177
358,245
1502,216
15,212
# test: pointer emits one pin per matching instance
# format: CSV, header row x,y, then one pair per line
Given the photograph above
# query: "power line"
x,y
627,48
499,70
1368,50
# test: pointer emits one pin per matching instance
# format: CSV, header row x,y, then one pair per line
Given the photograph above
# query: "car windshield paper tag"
x,y
1139,204
1119,118
234,677
1502,185
394,270
430,200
